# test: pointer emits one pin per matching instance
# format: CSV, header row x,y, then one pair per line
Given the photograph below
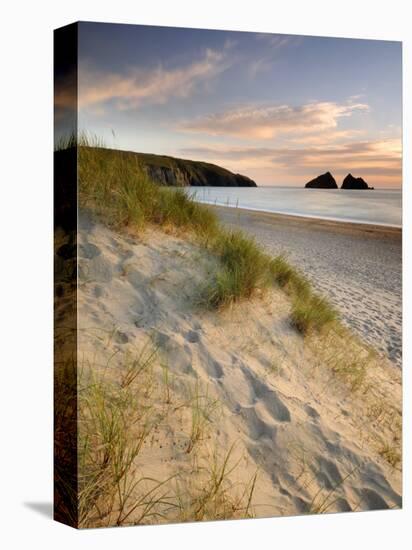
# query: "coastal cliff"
x,y
178,172
183,173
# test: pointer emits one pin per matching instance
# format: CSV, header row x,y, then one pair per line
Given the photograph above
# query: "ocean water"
x,y
378,206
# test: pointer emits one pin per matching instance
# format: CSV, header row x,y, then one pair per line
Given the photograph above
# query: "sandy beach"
x,y
264,397
227,275
357,266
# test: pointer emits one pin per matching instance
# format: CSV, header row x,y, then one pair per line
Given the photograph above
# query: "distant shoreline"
x,y
324,221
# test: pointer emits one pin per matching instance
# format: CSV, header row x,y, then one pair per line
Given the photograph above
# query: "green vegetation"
x,y
65,440
203,408
120,411
180,172
115,185
114,421
324,500
244,269
391,454
289,278
311,312
162,169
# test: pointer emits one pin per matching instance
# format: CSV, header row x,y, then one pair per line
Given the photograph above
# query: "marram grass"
x,y
114,185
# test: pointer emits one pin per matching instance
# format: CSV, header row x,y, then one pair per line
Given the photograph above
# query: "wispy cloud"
x,y
142,86
379,158
277,41
268,121
65,103
65,87
273,47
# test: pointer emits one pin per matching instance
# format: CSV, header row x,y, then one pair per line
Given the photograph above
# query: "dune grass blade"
x,y
114,185
311,312
245,269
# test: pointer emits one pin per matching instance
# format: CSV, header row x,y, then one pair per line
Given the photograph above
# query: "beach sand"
x,y
315,444
357,266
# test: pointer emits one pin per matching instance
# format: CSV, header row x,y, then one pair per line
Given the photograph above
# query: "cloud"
x,y
139,86
375,151
267,122
65,104
260,65
231,153
65,91
380,159
273,45
326,137
277,41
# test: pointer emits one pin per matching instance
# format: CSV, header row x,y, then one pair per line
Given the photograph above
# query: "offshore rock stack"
x,y
327,181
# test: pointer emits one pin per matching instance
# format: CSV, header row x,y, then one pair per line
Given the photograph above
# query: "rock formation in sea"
x,y
350,182
324,181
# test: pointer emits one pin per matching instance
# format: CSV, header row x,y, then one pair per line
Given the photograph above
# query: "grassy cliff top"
x,y
167,170
118,187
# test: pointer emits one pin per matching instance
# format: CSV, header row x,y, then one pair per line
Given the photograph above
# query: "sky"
x,y
280,109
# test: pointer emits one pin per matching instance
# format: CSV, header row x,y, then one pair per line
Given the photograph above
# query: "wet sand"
x,y
357,266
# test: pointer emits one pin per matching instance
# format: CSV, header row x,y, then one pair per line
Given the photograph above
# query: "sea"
x,y
374,206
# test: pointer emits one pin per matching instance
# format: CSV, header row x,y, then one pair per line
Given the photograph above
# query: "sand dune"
x,y
316,445
358,267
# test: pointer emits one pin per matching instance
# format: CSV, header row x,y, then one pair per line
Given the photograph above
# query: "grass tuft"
x,y
118,188
114,421
311,312
288,278
391,454
203,408
119,411
244,269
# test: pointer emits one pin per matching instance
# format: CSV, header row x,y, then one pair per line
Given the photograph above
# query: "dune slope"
x,y
240,386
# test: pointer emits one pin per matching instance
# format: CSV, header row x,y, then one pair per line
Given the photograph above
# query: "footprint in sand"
x,y
97,269
342,505
301,505
88,251
269,397
192,336
179,357
372,500
257,428
98,291
328,473
310,411
212,367
121,337
375,479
